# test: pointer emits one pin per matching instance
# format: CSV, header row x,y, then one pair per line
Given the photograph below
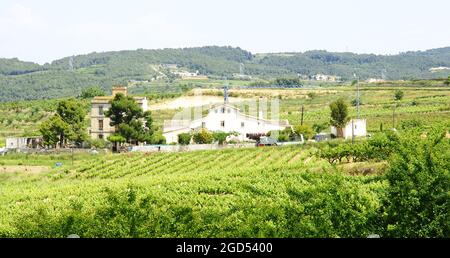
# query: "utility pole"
x,y
353,132
357,99
301,120
357,107
357,95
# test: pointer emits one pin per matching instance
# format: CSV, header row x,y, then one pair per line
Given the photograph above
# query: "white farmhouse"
x,y
225,118
356,127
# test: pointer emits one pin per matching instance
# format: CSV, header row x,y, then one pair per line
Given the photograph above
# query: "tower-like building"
x,y
100,127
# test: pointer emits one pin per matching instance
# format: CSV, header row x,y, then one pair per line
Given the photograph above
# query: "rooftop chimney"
x,y
119,89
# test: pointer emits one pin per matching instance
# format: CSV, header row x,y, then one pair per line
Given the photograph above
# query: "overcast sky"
x,y
45,30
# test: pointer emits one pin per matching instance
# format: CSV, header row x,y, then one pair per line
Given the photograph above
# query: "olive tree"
x,y
339,115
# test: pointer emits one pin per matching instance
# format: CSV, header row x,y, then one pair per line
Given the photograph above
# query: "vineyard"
x,y
329,189
242,192
313,190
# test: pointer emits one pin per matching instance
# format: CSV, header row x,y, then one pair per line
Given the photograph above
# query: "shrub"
x,y
157,138
306,130
220,137
398,95
379,147
318,128
281,136
184,138
355,102
98,143
417,201
410,124
203,136
92,92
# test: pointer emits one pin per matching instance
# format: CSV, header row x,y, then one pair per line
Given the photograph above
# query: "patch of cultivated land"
x,y
23,169
219,193
192,101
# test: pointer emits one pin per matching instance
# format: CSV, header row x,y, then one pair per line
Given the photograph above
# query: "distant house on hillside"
x,y
437,69
326,78
189,75
356,127
100,128
374,80
225,118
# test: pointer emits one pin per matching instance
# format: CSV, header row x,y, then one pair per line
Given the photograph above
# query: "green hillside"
x,y
14,66
67,76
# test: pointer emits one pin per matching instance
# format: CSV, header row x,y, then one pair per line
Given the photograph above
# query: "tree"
x,y
68,124
130,121
54,130
305,130
355,102
91,92
339,115
184,138
318,128
116,140
447,82
220,137
287,82
73,114
123,110
203,136
398,95
417,201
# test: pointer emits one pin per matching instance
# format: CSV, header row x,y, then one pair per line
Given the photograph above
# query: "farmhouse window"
x,y
222,123
229,110
242,124
100,136
100,110
223,110
203,124
100,125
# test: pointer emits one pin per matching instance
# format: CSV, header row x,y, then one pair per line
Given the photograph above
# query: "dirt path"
x,y
295,158
192,101
24,169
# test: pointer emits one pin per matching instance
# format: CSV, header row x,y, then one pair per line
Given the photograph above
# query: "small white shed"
x,y
356,127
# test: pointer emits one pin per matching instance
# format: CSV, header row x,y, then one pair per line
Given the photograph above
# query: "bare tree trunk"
x,y
340,132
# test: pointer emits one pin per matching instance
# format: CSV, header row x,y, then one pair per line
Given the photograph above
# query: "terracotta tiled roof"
x,y
106,99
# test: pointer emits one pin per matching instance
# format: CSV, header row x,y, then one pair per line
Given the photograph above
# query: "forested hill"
x,y
67,76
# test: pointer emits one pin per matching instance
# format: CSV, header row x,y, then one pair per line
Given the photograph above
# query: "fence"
x,y
195,147
55,151
192,147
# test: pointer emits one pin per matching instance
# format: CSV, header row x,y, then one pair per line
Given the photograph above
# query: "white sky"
x,y
46,30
